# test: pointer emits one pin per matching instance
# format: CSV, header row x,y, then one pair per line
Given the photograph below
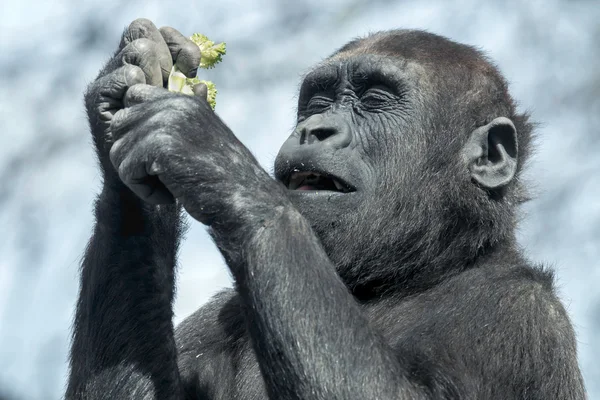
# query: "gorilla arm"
x,y
123,344
310,336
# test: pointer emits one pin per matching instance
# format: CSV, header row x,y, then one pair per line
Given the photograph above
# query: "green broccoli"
x,y
212,54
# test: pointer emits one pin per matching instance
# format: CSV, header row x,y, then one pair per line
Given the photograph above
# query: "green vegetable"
x,y
212,54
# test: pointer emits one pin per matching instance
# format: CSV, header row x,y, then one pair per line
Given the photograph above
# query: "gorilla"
x,y
380,261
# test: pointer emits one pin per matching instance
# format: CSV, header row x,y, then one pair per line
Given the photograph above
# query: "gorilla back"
x,y
380,263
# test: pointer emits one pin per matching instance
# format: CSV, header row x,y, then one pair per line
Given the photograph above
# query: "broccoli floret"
x,y
212,54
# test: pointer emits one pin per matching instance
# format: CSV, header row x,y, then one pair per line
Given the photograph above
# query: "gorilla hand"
x,y
170,145
145,55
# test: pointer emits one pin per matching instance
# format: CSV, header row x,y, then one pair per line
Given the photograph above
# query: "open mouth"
x,y
310,180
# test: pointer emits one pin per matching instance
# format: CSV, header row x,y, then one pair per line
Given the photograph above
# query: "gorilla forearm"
x,y
310,335
124,317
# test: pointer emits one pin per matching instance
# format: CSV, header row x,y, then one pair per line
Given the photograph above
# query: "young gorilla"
x,y
381,263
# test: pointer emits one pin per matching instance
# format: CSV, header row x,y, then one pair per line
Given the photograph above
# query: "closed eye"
x,y
318,104
376,95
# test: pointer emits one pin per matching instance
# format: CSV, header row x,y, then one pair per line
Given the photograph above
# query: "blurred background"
x,y
549,51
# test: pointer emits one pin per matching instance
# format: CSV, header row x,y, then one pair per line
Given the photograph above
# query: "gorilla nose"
x,y
329,130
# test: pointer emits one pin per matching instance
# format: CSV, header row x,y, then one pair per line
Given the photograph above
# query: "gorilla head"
x,y
406,159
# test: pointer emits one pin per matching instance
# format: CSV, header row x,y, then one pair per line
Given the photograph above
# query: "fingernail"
x,y
193,72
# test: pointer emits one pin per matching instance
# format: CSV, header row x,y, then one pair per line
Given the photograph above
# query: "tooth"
x,y
338,185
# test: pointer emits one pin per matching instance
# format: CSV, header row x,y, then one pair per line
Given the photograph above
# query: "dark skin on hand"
x,y
379,263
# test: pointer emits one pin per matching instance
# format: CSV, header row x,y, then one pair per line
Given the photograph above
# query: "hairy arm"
x,y
311,338
123,344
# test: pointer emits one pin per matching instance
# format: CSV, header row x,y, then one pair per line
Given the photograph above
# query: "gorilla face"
x,y
352,158
349,113
394,161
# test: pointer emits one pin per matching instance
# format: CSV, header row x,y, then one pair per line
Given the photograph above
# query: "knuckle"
x,y
170,33
133,75
191,48
144,46
161,140
131,95
124,172
145,54
159,144
162,120
138,94
192,53
166,30
141,27
181,104
118,120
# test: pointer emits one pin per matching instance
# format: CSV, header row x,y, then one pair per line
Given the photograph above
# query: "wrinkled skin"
x,y
146,145
380,263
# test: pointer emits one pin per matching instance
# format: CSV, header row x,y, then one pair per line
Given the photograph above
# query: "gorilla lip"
x,y
311,180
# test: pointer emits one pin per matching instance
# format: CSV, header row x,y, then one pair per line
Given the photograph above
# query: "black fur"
x,y
411,286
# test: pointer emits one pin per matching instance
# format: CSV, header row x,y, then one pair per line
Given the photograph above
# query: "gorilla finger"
x,y
143,28
125,159
147,187
115,84
155,191
200,90
121,122
126,121
134,169
143,93
105,96
144,54
186,54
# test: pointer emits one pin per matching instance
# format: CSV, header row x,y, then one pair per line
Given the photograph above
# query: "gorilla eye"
x,y
318,104
376,95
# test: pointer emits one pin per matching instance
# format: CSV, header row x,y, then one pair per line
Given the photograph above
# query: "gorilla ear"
x,y
491,153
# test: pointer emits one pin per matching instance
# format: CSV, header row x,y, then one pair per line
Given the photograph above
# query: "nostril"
x,y
309,136
323,133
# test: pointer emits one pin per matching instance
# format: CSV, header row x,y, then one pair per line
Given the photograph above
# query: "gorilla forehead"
x,y
420,46
434,63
